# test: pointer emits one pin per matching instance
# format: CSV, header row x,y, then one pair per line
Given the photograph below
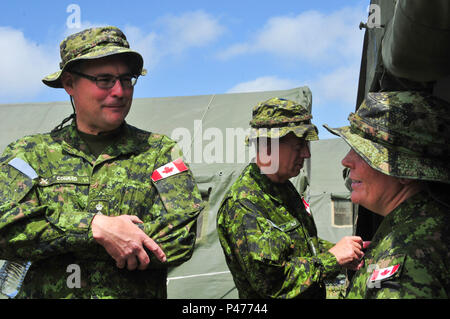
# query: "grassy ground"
x,y
336,287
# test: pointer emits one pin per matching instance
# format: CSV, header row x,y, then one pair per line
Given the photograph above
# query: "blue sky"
x,y
199,47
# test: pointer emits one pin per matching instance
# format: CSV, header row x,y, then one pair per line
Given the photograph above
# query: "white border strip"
x,y
198,275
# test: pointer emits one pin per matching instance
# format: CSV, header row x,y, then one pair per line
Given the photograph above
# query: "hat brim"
x,y
391,162
305,131
54,80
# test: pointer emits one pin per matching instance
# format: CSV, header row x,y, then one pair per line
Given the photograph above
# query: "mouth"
x,y
355,183
115,106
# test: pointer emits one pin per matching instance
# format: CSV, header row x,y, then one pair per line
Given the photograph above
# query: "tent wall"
x,y
326,183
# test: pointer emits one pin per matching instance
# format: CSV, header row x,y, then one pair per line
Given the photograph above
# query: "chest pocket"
x,y
18,178
64,189
301,242
289,238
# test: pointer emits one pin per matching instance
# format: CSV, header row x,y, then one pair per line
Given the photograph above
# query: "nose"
x,y
347,161
305,153
117,89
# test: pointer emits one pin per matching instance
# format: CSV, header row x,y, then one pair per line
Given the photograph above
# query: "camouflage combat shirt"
x,y
409,256
270,241
46,218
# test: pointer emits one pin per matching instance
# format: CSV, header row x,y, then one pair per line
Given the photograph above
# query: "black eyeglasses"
x,y
107,81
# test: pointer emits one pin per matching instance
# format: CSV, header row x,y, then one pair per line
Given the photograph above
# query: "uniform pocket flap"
x,y
289,226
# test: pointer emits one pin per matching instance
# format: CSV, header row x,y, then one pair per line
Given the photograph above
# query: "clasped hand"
x,y
124,241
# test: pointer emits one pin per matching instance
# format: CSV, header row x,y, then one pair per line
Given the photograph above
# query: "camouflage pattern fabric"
x,y
402,134
90,44
270,242
47,219
277,117
413,239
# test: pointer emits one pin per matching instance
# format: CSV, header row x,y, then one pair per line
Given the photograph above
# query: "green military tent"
x,y
217,154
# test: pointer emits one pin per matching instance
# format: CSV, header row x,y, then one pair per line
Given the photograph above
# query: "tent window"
x,y
341,210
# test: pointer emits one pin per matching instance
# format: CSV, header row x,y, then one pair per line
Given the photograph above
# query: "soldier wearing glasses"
x,y
99,193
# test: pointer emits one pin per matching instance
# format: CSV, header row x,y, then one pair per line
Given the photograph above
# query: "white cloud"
x,y
174,35
311,35
145,44
265,83
23,64
191,29
234,50
332,41
340,85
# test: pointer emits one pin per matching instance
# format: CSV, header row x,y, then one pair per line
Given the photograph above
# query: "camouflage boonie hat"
x,y
91,44
277,117
402,134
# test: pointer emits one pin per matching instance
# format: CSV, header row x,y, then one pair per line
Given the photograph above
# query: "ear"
x,y
68,81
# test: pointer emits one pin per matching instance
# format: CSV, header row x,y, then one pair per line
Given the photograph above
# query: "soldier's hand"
x,y
124,241
348,252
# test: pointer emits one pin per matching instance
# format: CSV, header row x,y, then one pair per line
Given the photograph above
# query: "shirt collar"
x,y
132,140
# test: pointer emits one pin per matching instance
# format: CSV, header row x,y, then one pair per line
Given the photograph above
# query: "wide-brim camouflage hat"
x,y
278,117
402,134
94,43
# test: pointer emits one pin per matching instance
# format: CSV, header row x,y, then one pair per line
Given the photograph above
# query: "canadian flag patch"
x,y
169,169
308,210
380,274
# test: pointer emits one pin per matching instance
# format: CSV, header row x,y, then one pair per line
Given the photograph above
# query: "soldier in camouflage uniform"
x,y
268,236
399,166
98,195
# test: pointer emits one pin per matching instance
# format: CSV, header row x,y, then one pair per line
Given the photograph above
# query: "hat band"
x,y
83,50
281,123
389,139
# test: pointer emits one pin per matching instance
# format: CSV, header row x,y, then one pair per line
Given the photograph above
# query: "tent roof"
x,y
161,115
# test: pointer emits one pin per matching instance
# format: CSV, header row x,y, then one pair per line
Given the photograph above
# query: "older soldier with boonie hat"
x,y
91,194
265,227
399,168
277,117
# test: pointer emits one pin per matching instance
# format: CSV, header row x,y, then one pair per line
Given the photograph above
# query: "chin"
x,y
355,198
296,171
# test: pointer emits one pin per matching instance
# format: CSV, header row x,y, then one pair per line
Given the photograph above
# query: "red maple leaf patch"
x,y
384,273
167,170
